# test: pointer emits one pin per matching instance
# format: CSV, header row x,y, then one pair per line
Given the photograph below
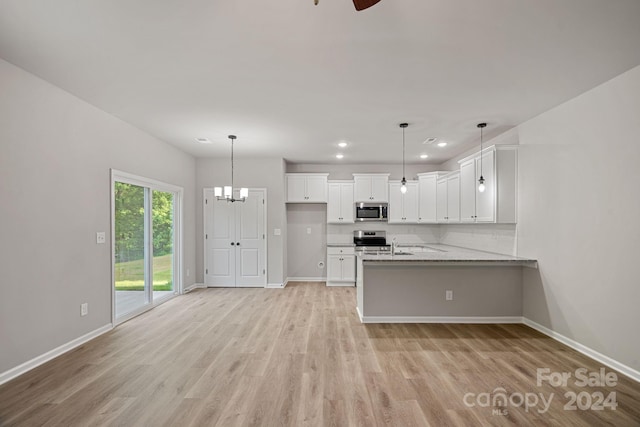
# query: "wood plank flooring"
x,y
300,357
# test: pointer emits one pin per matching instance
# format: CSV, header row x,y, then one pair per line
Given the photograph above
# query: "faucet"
x,y
394,244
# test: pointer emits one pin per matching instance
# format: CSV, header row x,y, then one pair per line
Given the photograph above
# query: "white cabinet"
x,y
371,187
497,204
468,188
403,208
448,198
428,196
307,187
341,266
340,206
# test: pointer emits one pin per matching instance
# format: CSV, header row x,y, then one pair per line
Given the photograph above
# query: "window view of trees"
x,y
129,238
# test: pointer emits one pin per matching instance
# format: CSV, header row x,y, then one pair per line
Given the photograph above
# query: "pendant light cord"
x,y
481,151
403,175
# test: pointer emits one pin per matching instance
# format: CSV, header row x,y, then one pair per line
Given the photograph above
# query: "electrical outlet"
x,y
308,230
449,295
188,272
84,309
101,237
276,232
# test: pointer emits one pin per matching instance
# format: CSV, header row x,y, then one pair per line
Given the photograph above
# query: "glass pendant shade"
x,y
481,186
244,193
217,191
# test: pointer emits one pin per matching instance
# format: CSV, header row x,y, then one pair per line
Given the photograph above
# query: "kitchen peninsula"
x,y
440,283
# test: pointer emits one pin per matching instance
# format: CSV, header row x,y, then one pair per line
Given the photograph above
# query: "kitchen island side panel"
x,y
411,291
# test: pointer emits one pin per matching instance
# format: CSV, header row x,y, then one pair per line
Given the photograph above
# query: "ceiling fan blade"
x,y
364,4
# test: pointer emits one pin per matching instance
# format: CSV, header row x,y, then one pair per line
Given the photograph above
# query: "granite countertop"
x,y
340,245
444,254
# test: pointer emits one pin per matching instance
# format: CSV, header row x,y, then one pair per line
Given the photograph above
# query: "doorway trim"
x,y
204,233
128,178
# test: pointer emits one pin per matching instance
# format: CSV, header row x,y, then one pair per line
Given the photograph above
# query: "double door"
x,y
235,241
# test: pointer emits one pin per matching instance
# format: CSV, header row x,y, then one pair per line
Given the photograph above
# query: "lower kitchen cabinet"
x,y
341,266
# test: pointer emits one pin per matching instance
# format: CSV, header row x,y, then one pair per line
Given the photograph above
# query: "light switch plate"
x,y
101,237
276,231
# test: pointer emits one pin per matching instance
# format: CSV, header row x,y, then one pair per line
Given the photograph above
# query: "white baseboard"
x,y
52,354
276,285
306,279
344,284
195,286
439,319
587,351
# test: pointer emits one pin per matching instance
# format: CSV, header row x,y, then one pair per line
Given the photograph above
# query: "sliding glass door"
x,y
130,260
162,262
145,250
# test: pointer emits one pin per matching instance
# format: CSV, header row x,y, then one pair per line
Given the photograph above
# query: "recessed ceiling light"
x,y
423,156
339,156
430,140
203,140
442,144
342,144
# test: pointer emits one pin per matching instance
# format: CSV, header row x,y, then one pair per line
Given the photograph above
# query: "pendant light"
x,y
481,186
228,189
403,187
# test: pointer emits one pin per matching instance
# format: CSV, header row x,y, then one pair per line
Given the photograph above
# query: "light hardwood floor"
x,y
295,357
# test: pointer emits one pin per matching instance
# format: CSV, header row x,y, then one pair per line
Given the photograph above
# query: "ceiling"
x,y
292,79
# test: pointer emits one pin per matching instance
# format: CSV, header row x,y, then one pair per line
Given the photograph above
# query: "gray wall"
x,y
256,173
579,216
306,250
55,154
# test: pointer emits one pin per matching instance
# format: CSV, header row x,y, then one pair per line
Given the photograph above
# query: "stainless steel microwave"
x,y
371,211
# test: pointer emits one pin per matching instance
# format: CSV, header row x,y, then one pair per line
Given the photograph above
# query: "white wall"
x,y
346,171
257,173
55,155
579,212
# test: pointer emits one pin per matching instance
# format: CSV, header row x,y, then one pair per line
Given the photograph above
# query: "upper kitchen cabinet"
x,y
448,198
428,196
307,187
403,208
497,203
371,187
340,206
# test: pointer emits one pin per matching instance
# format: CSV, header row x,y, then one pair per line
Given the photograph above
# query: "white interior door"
x,y
220,239
250,238
235,242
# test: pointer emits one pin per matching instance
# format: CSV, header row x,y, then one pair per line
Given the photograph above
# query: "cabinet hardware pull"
x,y
238,244
233,244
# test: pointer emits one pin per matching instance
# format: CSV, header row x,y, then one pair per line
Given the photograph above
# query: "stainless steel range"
x,y
371,241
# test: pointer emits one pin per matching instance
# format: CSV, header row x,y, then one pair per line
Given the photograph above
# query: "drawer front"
x,y
341,251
